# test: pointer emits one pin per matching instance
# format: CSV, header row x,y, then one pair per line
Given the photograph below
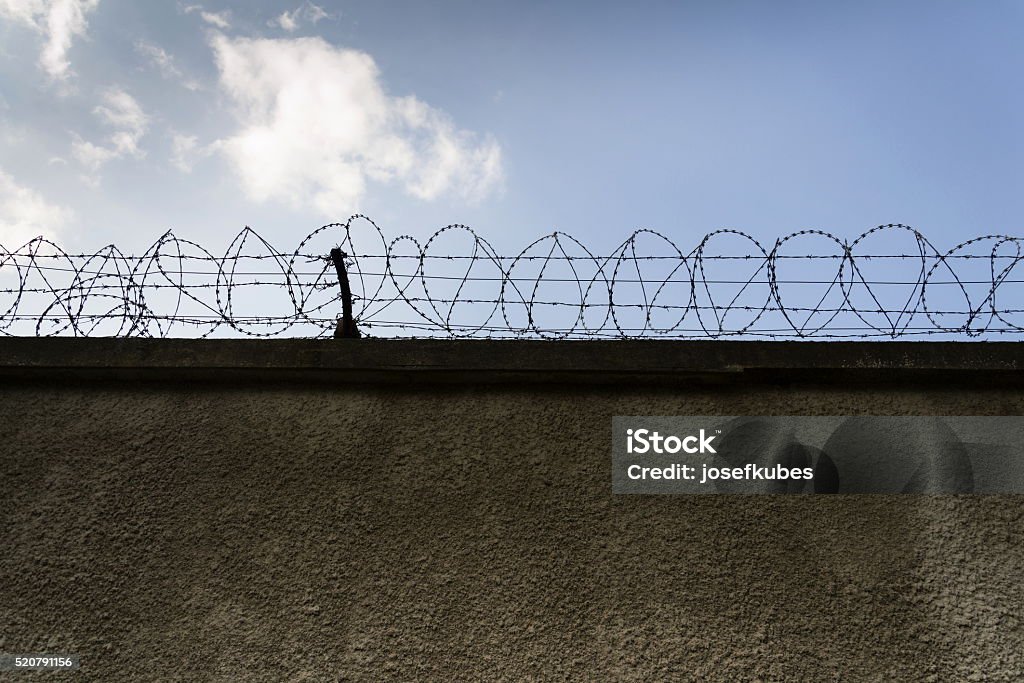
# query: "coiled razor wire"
x,y
889,282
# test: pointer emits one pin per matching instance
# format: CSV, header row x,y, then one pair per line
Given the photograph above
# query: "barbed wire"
x,y
890,282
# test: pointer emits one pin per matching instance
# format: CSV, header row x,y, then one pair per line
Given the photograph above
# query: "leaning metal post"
x,y
346,328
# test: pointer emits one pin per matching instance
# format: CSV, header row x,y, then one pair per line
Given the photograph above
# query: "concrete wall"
x,y
369,510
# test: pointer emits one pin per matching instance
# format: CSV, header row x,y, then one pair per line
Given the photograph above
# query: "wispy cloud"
x,y
316,125
25,214
304,13
186,151
221,20
120,112
60,21
165,64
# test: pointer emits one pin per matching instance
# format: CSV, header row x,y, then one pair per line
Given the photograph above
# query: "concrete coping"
x,y
523,361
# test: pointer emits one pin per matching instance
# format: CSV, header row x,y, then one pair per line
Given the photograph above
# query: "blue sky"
x,y
119,120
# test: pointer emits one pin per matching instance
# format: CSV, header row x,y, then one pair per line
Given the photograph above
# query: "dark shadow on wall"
x,y
862,455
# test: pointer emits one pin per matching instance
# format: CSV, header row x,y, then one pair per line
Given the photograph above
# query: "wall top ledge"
x,y
521,361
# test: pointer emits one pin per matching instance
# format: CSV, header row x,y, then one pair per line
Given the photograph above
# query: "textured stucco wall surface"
x,y
249,531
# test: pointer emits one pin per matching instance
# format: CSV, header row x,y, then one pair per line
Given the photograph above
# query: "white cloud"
x,y
185,151
90,154
25,214
218,19
12,135
24,11
164,63
317,126
120,110
221,20
307,12
61,21
122,113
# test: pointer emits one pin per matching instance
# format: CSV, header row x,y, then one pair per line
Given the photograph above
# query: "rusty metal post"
x,y
346,325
